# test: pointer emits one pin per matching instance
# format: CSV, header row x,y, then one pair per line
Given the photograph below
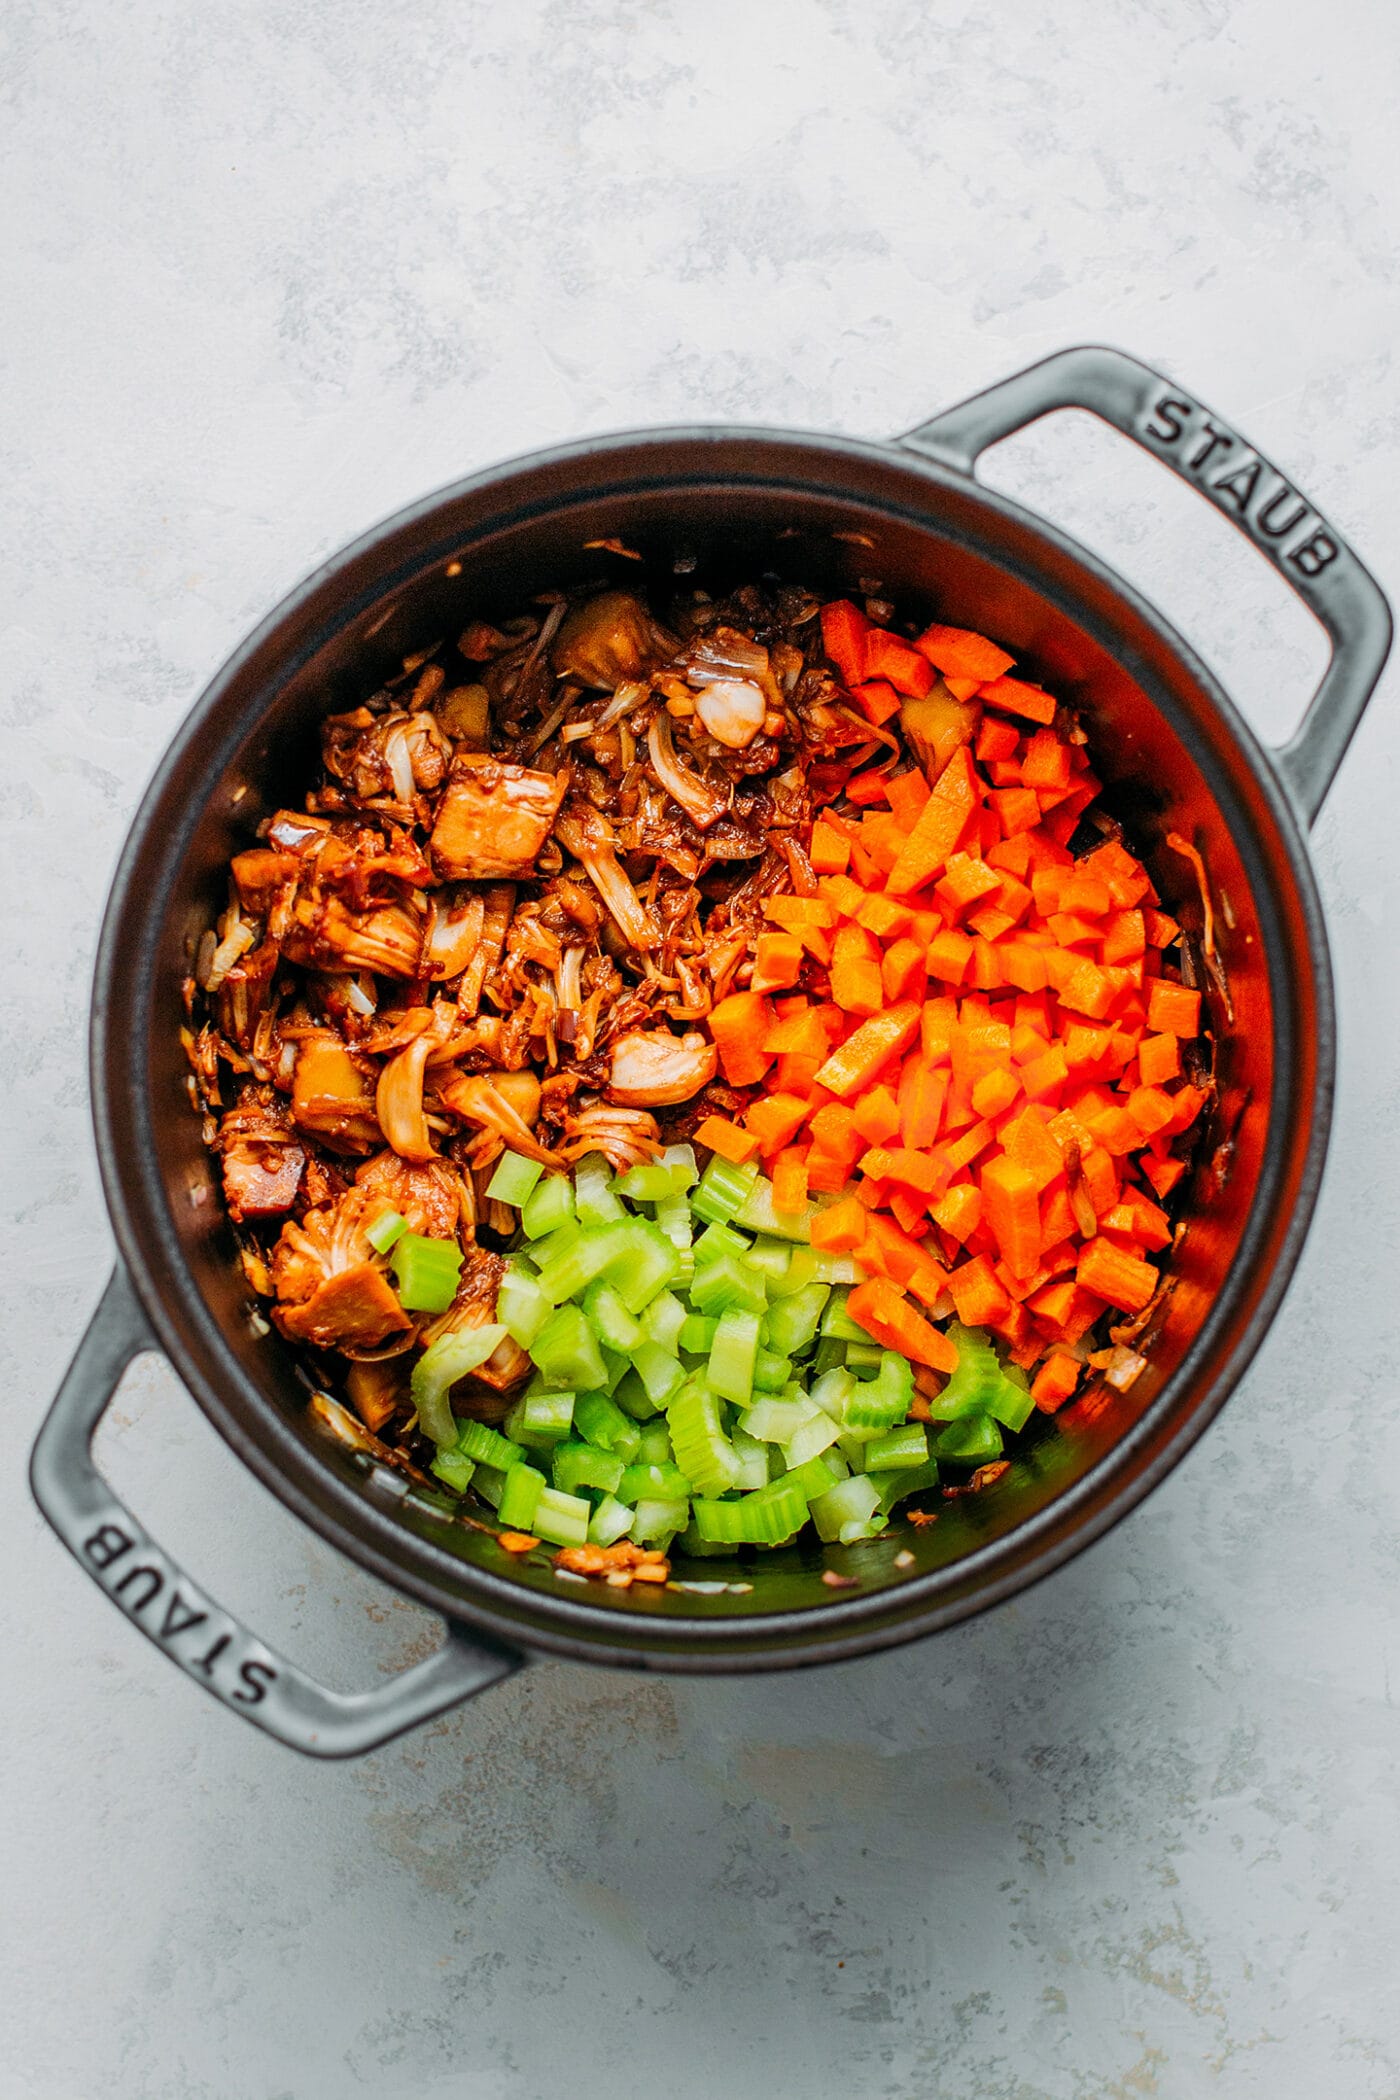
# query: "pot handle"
x,y
219,1653
1308,553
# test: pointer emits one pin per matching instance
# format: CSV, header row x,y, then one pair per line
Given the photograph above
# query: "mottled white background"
x,y
272,269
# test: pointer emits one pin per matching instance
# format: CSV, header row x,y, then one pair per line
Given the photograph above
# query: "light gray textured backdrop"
x,y
272,269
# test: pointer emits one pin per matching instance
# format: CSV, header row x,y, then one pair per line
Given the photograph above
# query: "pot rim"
x,y
562,1624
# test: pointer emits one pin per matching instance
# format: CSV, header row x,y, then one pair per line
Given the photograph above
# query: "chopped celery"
x,y
716,1240
437,1370
778,1421
793,1321
489,1482
547,1207
522,1491
576,1466
771,1373
809,1439
878,1403
679,1161
609,1318
973,1385
837,1268
600,1420
553,1245
634,1399
540,1420
648,1183
594,1201
616,1366
426,1272
754,1459
845,1509
659,1371
972,1440
562,1519
727,1282
592,1251
1011,1403
653,1442
521,1307
663,1483
389,1226
565,1352
663,1320
702,1450
454,1468
733,1354
644,1264
771,1258
610,1521
723,1189
837,1324
697,1334
815,1475
488,1446
655,1521
763,1518
897,1449
759,1213
895,1486
513,1179
832,1391
829,1355
863,1358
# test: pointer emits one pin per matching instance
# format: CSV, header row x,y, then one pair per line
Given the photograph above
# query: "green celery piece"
x,y
716,1240
1011,1403
610,1521
972,1440
778,1421
562,1519
489,1482
600,1421
617,1368
727,1282
897,1450
793,1321
837,1268
644,1264
895,1486
388,1227
453,1468
522,1491
733,1355
863,1358
655,1521
540,1420
437,1370
594,1201
679,1161
832,1390
815,1475
697,1334
878,1403
609,1318
663,1483
426,1271
653,1442
764,1518
589,1255
724,1187
576,1466
809,1439
488,1447
829,1355
844,1511
565,1352
513,1179
659,1371
771,1257
759,1213
694,1547
673,1217
771,1373
800,1271
521,1307
755,1459
837,1324
648,1183
547,1207
975,1382
634,1399
703,1452
663,1320
552,1246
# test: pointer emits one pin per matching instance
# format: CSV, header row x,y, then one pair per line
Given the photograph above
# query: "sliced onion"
x,y
703,803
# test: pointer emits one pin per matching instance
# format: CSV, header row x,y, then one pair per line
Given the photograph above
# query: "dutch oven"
x,y
720,504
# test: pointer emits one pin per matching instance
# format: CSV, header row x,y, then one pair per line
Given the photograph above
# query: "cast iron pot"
x,y
721,504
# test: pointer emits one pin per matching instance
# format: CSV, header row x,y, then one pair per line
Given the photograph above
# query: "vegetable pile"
x,y
676,1080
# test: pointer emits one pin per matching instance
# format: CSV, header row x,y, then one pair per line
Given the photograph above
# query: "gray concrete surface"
x,y
272,270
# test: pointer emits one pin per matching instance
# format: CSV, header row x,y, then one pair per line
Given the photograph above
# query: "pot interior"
x,y
714,510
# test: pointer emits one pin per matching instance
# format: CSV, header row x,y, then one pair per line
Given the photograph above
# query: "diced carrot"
x,y
726,1138
1090,990
795,1073
844,628
885,917
1047,761
1018,698
975,1292
996,740
921,1102
1128,881
1138,1219
804,1033
941,823
889,656
1100,1177
949,953
777,962
1028,1140
1011,1207
1160,929
1124,938
1164,1174
1023,965
965,1149
995,1091
834,1130
1055,1381
991,923
1187,1104
1120,1278
907,795
905,1205
775,1120
923,1172
1172,1009
960,653
1016,807
1054,1302
986,966
839,1229
862,1058
797,912
876,1116
864,789
959,1209
1159,1059
789,1172
904,971
1057,1219
888,1317
936,1025
877,700
1150,1110
896,1253
965,882
829,853
1045,1075
1085,895
826,1174
738,1025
